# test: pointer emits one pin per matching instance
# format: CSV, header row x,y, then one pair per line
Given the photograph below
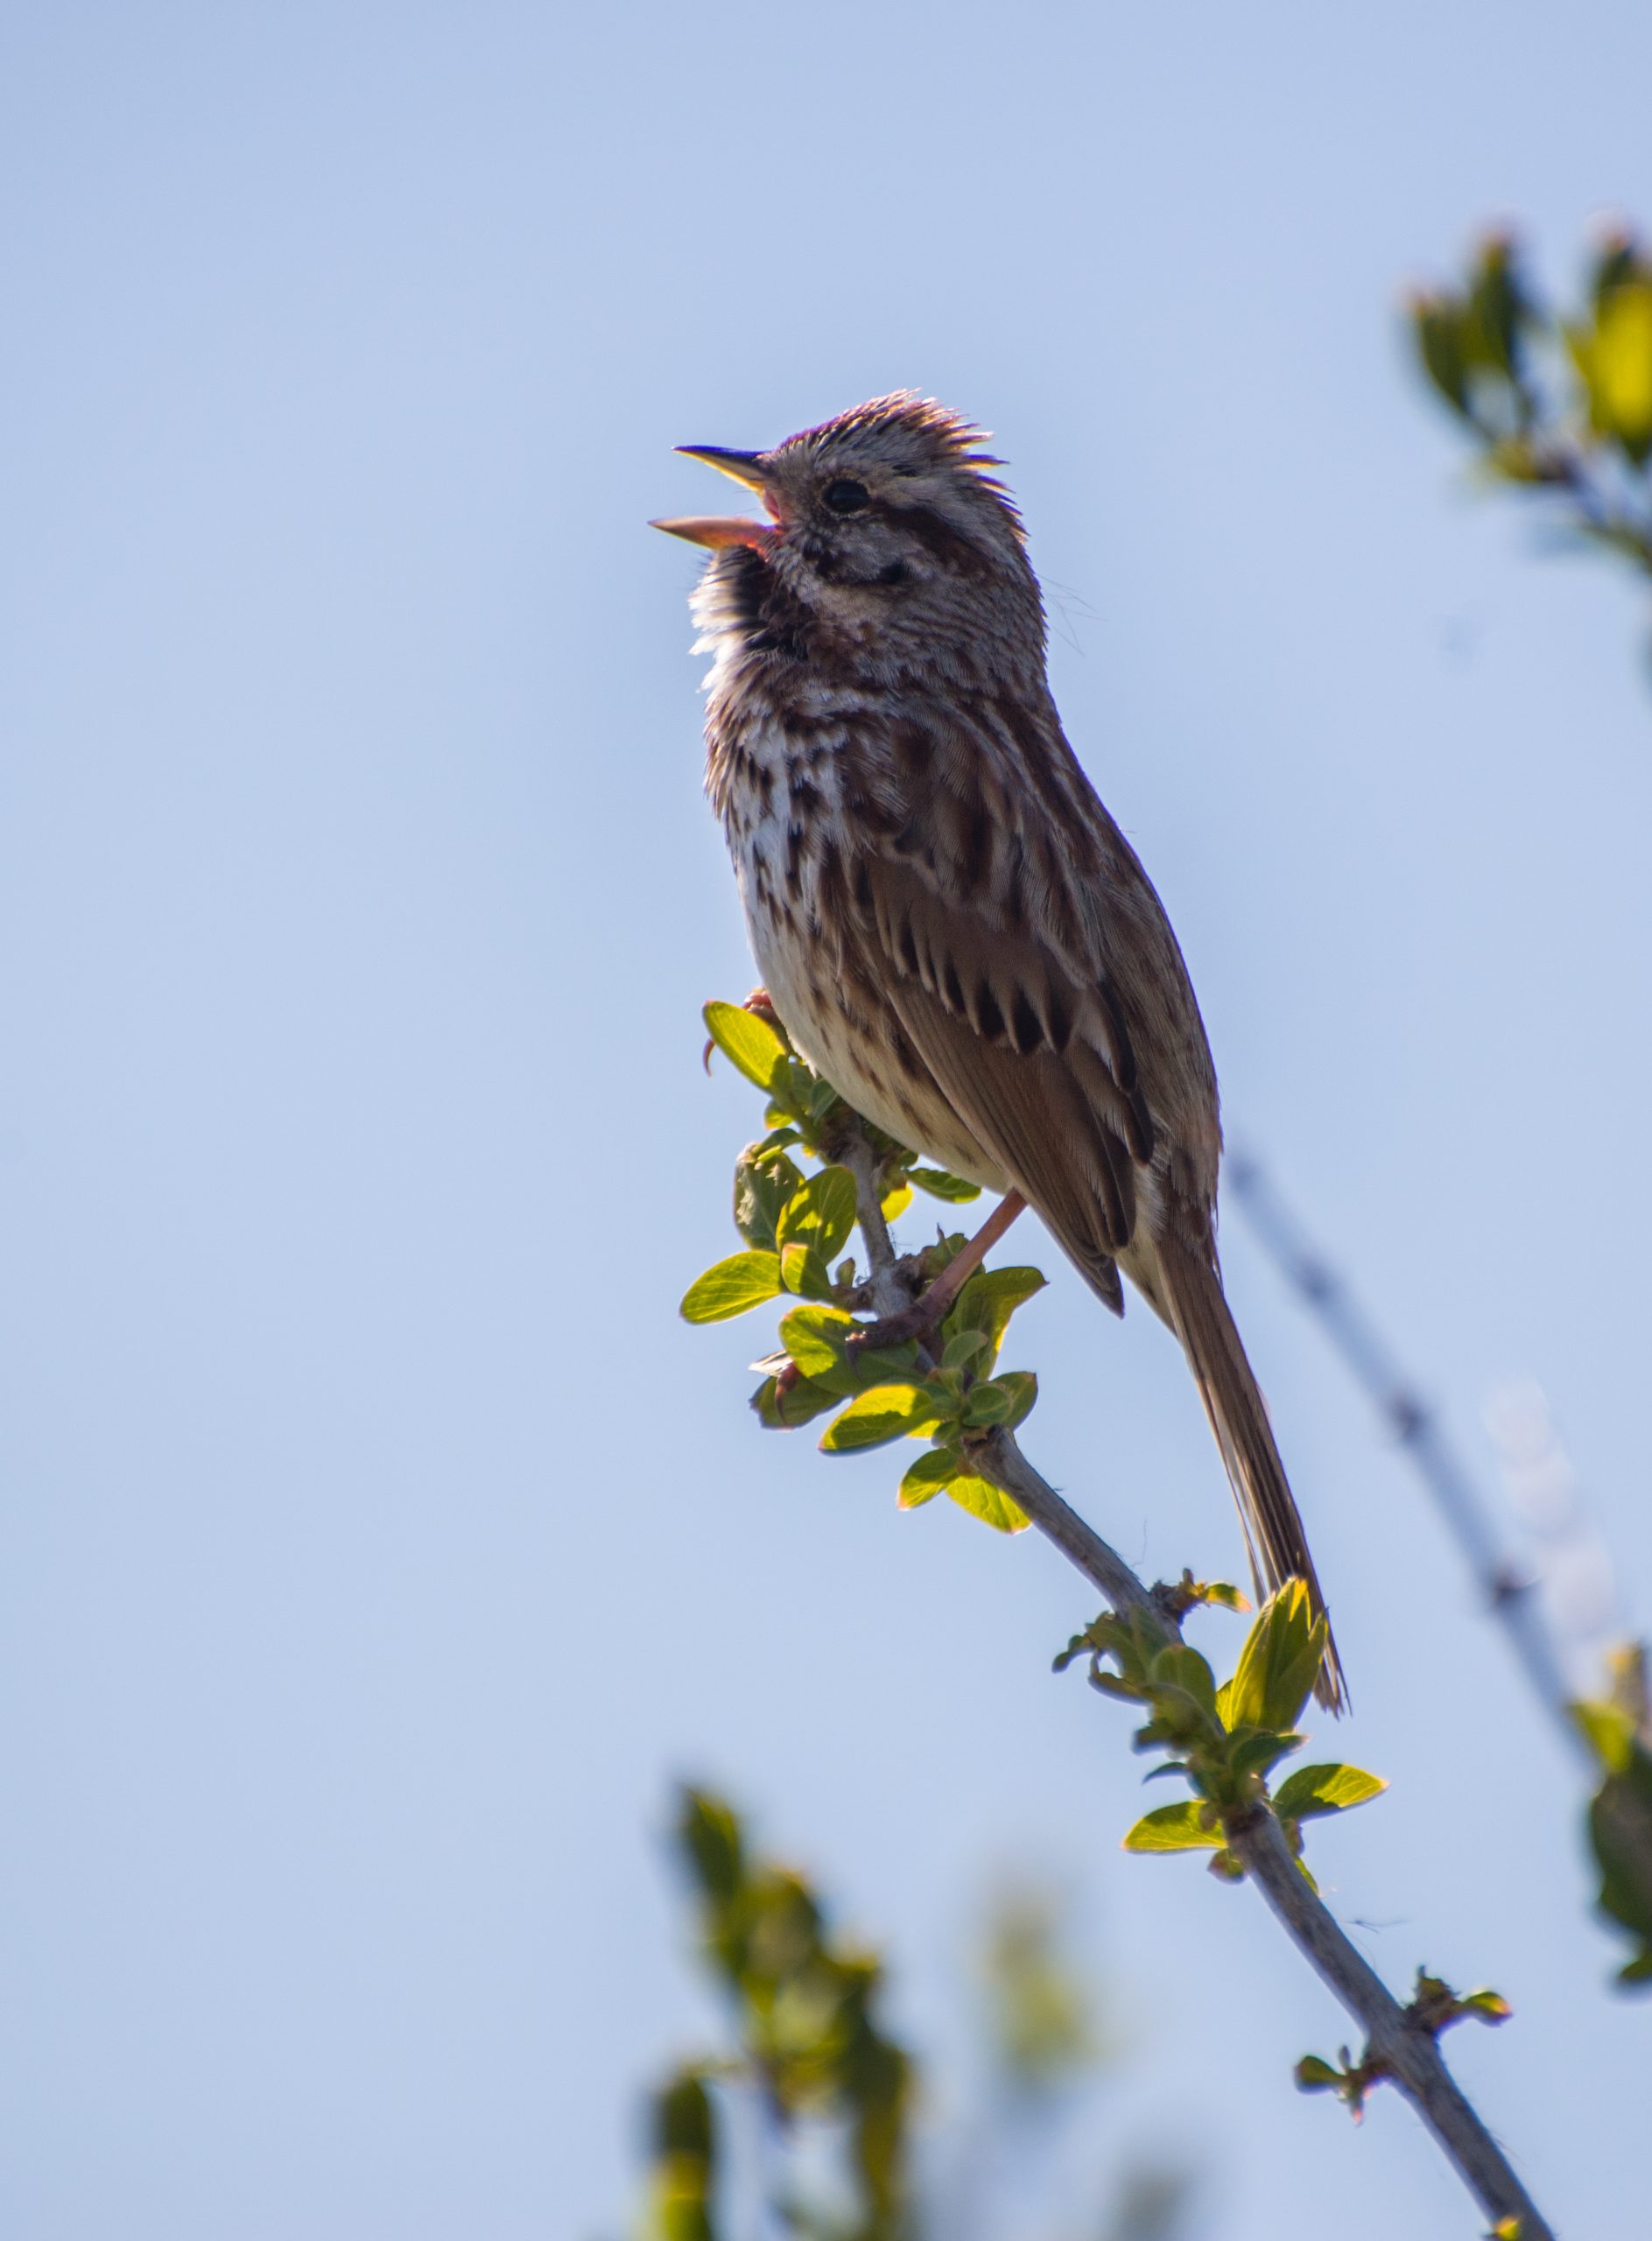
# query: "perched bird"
x,y
950,925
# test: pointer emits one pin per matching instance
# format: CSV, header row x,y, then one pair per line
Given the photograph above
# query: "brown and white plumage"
x,y
953,929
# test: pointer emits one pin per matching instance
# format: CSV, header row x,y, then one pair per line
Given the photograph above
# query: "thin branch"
x,y
1407,2048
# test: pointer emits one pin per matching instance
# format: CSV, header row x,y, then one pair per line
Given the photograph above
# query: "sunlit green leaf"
x,y
1177,1666
1314,2075
803,1271
744,1281
1175,1829
886,1412
1619,368
896,1201
926,1478
821,1214
1312,1790
1278,1664
989,1503
1489,2006
748,1042
814,1338
1608,1731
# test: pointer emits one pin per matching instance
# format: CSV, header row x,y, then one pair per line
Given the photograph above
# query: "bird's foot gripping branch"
x,y
796,1226
1224,1742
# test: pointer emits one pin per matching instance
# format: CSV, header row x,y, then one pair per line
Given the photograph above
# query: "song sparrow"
x,y
950,926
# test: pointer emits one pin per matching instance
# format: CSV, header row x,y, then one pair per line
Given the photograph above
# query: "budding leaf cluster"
x,y
1225,1741
795,1225
1433,2008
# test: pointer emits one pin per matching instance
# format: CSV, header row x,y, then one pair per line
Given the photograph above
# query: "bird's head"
x,y
886,532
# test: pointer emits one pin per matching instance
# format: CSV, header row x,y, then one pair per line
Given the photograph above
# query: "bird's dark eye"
x,y
895,574
846,498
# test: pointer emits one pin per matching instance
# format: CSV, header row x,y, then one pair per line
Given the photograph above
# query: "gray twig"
x,y
1405,2046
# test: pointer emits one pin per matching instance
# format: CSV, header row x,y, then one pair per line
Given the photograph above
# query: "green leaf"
x,y
989,1503
940,1184
1314,2075
931,1475
709,1837
1313,1791
1438,328
814,1338
987,1404
821,1214
1254,1750
748,1042
803,1272
1175,1829
1178,1666
1608,1731
1490,2007
761,1189
1619,370
884,1413
896,1201
1022,1388
799,1404
744,1281
1278,1665
1222,1595
986,1303
963,1349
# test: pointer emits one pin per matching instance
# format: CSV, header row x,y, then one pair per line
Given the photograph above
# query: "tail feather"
x,y
1199,1313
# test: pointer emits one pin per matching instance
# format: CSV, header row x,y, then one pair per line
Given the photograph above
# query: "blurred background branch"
x,y
1610,1729
833,2154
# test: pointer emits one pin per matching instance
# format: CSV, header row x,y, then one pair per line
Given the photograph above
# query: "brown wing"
x,y
1033,1055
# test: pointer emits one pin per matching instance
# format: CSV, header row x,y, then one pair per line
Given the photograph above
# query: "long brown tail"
x,y
1199,1315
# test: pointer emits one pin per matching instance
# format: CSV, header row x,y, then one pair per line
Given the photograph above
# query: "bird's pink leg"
x,y
924,1314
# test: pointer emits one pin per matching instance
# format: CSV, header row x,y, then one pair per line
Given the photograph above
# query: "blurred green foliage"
x,y
1563,405
1037,2014
1618,1729
835,2093
804,2009
794,1224
1554,403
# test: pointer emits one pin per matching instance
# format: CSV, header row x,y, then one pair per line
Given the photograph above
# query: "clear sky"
x,y
378,1545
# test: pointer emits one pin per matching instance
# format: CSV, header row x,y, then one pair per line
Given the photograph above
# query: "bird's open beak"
x,y
744,466
717,529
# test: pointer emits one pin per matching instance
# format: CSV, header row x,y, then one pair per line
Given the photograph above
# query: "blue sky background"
x,y
379,1545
